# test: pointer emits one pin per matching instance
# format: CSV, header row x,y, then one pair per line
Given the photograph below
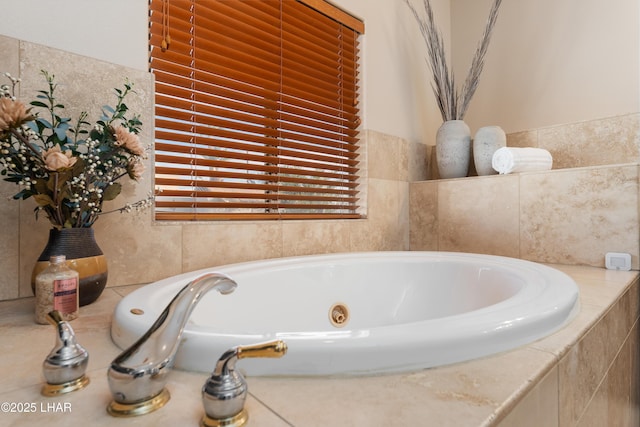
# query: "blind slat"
x,y
347,187
213,186
255,167
242,216
292,200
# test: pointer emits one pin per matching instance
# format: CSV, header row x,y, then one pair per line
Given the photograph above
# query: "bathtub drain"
x,y
339,315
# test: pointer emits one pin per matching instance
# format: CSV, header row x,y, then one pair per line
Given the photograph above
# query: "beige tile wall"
x,y
140,250
566,216
9,210
587,206
606,141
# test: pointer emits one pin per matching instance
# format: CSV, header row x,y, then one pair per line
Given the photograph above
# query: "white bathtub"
x,y
403,310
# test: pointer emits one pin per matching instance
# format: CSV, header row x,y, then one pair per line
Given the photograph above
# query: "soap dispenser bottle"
x,y
57,289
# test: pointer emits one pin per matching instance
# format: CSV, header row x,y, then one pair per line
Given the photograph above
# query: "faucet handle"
x,y
225,391
65,366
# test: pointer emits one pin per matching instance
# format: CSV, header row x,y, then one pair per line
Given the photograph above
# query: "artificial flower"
x,y
55,159
69,170
129,141
135,169
12,114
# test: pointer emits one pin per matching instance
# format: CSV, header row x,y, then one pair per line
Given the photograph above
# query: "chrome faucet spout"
x,y
137,377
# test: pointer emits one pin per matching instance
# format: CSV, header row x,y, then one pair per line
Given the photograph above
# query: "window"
x,y
256,109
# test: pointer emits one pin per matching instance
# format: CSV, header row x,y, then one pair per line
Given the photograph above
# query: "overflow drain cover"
x,y
339,315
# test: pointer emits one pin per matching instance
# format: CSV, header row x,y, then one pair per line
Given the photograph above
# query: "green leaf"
x,y
112,191
24,194
95,134
39,104
61,131
44,123
33,126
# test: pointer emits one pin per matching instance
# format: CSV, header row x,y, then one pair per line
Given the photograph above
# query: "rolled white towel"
x,y
516,159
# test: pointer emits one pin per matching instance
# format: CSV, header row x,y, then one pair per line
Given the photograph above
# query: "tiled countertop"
x,y
476,393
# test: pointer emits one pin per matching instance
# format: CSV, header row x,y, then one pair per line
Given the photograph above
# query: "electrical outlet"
x,y
618,261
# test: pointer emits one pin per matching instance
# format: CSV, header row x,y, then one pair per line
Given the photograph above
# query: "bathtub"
x,y
362,313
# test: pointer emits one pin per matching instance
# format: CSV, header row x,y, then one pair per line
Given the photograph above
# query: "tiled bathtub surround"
x,y
573,378
590,385
567,216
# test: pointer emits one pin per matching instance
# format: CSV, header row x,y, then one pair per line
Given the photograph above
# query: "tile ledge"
x,y
551,171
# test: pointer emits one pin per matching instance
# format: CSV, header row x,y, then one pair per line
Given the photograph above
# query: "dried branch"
x,y
452,105
471,83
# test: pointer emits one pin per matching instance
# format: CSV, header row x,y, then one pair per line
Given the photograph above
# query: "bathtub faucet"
x,y
137,377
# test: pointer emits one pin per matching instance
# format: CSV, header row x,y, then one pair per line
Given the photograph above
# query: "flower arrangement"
x,y
68,169
452,104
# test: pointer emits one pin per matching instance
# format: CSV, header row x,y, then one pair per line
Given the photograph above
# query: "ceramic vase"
x,y
83,255
485,142
453,149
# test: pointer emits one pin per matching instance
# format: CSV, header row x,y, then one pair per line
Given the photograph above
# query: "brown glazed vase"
x,y
83,255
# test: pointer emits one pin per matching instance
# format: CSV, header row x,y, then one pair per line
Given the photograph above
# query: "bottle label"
x,y
65,295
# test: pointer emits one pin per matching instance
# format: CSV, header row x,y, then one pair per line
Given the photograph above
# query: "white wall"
x,y
550,61
115,30
396,80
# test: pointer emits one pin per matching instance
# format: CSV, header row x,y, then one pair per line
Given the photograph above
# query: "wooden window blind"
x,y
256,109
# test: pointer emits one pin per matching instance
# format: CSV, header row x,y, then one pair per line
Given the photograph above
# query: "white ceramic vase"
x,y
453,149
485,142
